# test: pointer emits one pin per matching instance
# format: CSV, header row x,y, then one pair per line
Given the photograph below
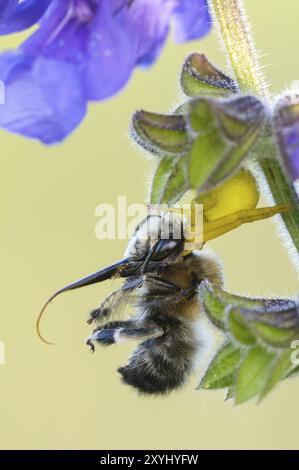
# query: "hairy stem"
x,y
233,27
283,193
230,18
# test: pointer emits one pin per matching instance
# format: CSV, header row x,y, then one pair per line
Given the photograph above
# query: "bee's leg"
x,y
229,222
120,331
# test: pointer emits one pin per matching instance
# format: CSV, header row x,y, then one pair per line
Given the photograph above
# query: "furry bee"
x,y
161,278
162,272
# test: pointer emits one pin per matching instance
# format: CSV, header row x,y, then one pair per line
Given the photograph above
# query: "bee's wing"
x,y
116,301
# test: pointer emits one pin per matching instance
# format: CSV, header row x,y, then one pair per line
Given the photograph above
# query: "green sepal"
x,y
161,134
238,328
277,324
275,336
254,373
263,330
224,132
199,77
217,302
281,366
212,302
221,371
170,180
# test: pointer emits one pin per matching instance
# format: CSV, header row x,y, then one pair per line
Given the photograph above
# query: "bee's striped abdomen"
x,y
162,364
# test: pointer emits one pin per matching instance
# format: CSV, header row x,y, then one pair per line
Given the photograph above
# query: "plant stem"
x,y
233,28
230,18
283,193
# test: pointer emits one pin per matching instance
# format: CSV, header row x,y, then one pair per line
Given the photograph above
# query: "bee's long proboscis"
x,y
99,276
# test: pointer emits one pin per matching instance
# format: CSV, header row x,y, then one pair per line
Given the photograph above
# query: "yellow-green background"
x,y
62,397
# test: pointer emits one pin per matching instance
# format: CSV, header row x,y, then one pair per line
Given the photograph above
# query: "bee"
x,y
162,273
161,279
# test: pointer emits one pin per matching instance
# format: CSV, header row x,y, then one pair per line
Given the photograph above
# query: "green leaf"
x,y
231,127
216,301
170,180
276,324
160,133
253,374
275,336
234,157
281,366
227,131
205,155
236,301
221,372
213,304
239,329
274,321
236,115
201,116
251,321
199,77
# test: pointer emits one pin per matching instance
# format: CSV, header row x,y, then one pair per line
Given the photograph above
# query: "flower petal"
x,y
7,7
101,48
18,15
110,55
38,102
148,21
191,20
89,47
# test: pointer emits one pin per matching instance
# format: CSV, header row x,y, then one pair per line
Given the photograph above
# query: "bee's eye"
x,y
164,248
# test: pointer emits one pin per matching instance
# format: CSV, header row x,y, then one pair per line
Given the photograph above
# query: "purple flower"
x,y
17,15
84,50
287,130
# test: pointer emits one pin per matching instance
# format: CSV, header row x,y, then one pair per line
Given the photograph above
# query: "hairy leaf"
x,y
281,366
199,77
255,324
222,370
160,133
239,329
227,131
277,326
170,180
253,374
213,304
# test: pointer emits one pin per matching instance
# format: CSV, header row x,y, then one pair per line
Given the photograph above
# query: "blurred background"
x,y
64,397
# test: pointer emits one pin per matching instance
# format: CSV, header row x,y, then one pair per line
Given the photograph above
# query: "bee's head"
x,y
156,240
